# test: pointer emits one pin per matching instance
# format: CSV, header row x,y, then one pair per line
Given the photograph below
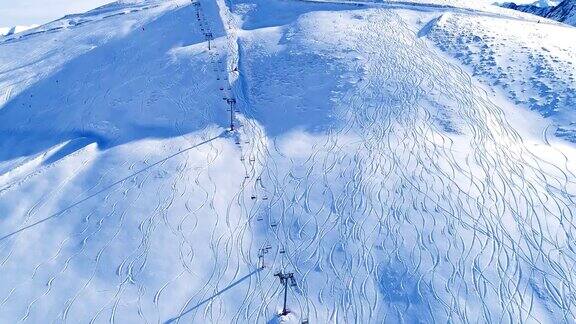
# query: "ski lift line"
x,y
110,186
284,278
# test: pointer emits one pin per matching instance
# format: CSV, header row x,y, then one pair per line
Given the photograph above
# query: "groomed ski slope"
x,y
397,182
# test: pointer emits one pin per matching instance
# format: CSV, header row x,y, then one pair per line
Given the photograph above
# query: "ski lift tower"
x,y
209,37
284,279
232,103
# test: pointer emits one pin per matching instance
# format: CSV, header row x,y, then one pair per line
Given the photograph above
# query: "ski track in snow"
x,y
386,215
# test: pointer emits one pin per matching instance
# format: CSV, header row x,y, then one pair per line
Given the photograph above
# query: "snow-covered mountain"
x,y
404,161
546,3
564,12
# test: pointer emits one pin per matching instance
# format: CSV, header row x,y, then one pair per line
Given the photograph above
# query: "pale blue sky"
x,y
28,12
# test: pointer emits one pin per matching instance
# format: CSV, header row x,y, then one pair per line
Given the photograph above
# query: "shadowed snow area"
x,y
399,158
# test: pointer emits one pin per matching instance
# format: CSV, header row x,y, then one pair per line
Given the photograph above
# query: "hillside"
x,y
406,161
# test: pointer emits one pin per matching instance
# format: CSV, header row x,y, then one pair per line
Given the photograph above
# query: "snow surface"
x,y
535,69
404,160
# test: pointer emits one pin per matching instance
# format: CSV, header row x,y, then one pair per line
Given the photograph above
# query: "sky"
x,y
30,12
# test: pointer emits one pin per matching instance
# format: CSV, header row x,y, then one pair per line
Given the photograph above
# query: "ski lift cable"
x,y
110,186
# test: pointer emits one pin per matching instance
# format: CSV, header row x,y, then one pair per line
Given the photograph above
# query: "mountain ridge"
x,y
564,12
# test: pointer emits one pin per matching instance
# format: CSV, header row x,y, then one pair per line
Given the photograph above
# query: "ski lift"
x,y
261,263
293,282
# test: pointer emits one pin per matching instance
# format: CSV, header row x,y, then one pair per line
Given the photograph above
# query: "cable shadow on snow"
x,y
110,186
174,319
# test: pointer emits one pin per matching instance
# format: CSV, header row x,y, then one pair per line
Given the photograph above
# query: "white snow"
x,y
535,68
388,154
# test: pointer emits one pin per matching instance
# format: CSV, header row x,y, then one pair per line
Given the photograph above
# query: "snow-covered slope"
x,y
397,157
535,69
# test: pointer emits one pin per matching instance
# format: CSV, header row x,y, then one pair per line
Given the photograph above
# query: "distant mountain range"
x,y
564,12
